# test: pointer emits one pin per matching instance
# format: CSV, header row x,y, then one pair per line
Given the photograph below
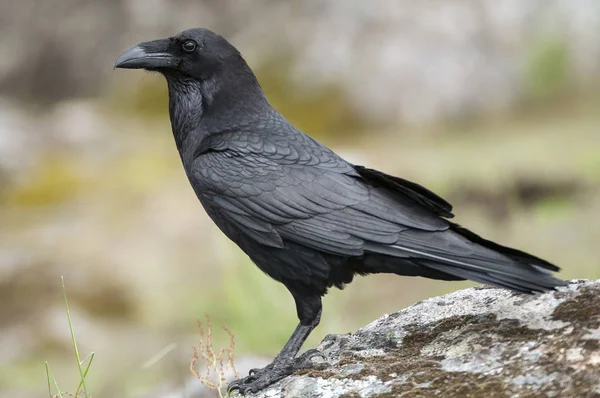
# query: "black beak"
x,y
150,55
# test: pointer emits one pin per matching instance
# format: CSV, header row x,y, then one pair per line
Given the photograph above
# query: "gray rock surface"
x,y
471,343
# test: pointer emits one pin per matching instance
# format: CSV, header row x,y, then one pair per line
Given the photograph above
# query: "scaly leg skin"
x,y
284,364
277,370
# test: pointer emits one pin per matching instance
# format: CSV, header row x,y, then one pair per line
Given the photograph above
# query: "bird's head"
x,y
196,53
207,78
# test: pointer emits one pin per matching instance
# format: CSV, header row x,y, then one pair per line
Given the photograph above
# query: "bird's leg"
x,y
286,362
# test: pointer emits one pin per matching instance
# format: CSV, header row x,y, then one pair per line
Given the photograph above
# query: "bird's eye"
x,y
189,46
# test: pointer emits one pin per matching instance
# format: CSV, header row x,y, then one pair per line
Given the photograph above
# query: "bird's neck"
x,y
200,108
185,107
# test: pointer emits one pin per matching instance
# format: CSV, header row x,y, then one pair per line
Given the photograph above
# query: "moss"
x,y
414,342
457,384
350,395
323,374
584,310
591,345
411,373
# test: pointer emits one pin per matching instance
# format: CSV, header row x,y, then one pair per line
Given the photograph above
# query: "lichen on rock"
x,y
474,342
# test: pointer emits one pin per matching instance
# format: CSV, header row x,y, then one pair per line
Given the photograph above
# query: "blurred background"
x,y
493,105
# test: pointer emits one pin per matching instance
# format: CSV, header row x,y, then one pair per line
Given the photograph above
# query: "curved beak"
x,y
148,55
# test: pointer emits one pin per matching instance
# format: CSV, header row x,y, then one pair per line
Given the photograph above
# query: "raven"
x,y
306,217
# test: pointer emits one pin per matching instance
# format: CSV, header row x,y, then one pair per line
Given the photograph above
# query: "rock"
x,y
474,342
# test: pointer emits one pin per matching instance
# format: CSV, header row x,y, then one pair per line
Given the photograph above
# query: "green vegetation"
x,y
244,301
80,363
548,69
53,181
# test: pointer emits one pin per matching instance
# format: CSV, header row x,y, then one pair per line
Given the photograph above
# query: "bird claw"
x,y
254,371
261,378
307,356
236,385
251,383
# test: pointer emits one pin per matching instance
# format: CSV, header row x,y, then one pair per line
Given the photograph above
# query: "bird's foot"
x,y
262,378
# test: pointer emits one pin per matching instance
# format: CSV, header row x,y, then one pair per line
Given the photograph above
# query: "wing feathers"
x,y
296,193
410,189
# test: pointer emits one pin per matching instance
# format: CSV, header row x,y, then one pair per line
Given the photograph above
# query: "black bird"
x,y
306,217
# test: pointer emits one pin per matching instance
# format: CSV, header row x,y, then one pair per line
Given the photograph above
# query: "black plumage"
x,y
305,216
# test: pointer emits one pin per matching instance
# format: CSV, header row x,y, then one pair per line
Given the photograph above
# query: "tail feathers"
x,y
540,283
463,254
513,254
